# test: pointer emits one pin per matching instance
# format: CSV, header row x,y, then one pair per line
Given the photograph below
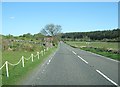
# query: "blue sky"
x,y
30,17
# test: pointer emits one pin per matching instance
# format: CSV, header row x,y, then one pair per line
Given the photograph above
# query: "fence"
x,y
22,60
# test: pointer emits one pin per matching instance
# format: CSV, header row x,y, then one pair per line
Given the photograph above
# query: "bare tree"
x,y
51,30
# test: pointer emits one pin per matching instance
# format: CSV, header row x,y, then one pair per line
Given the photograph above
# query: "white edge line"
x,y
83,60
107,77
47,63
50,58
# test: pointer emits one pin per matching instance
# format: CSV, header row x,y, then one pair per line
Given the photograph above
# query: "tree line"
x,y
48,36
50,30
105,35
55,32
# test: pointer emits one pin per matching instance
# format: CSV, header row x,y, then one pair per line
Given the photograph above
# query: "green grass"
x,y
100,48
103,53
18,72
113,45
0,65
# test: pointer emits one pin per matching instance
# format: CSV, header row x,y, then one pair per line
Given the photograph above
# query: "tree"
x,y
9,36
51,30
28,35
38,36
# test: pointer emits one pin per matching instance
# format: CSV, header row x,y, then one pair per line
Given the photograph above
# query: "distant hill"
x,y
106,35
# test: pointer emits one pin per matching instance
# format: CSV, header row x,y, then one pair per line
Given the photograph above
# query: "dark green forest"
x,y
105,35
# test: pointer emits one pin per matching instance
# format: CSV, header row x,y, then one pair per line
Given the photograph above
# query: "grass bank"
x,y
98,48
103,53
18,72
105,45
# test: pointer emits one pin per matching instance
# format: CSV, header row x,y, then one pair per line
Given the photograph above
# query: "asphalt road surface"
x,y
72,66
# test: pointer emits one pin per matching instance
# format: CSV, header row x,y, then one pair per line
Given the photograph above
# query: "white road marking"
x,y
47,63
83,60
43,70
107,78
98,70
74,52
49,60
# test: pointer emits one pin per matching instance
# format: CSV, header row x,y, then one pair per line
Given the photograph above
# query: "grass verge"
x,y
112,45
99,51
18,72
103,53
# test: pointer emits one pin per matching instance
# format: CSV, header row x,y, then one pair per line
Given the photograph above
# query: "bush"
x,y
27,47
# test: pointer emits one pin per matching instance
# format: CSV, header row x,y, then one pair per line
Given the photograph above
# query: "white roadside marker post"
x,y
38,54
44,51
7,72
47,48
23,61
32,57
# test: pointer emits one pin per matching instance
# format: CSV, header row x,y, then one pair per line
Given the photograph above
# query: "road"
x,y
72,66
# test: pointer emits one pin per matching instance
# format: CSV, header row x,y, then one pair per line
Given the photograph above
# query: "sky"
x,y
30,17
60,0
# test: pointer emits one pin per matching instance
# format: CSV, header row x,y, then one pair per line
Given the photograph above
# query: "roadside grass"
x,y
113,45
0,65
103,53
100,48
18,72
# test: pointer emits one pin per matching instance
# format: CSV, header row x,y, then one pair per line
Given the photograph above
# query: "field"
x,y
99,48
18,72
106,45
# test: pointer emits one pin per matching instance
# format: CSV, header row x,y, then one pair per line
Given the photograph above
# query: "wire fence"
x,y
42,53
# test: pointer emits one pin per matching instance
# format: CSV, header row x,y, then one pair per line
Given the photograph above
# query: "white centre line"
x,y
100,71
83,60
107,78
74,52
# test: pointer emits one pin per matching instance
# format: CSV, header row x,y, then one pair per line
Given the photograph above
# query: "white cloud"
x,y
12,17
